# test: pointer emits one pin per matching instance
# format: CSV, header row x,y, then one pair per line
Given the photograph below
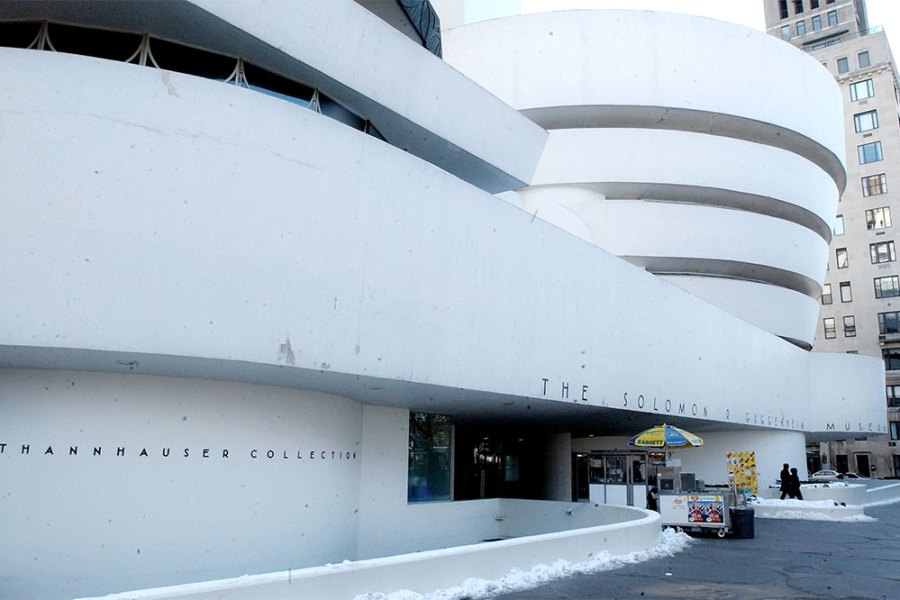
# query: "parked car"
x,y
851,476
824,475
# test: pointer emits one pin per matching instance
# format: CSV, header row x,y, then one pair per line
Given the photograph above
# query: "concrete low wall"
x,y
849,493
632,530
828,512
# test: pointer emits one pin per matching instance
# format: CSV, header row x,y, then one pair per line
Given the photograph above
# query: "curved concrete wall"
x,y
349,54
737,176
592,68
212,250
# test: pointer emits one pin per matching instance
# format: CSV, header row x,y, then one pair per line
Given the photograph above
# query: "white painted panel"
x,y
116,482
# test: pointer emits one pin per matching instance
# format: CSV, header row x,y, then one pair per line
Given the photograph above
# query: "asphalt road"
x,y
785,559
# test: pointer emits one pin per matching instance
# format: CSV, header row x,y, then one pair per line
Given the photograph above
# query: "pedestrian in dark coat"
x,y
794,489
785,477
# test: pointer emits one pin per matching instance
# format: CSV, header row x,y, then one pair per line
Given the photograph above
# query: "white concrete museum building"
x,y
277,281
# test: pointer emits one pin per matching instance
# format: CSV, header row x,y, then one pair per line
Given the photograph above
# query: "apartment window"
x,y
826,294
801,27
838,227
888,322
882,252
891,358
850,326
874,185
863,58
892,393
887,287
842,258
813,4
798,7
878,218
895,435
862,90
843,65
828,324
832,18
865,121
786,32
817,22
846,294
870,152
782,6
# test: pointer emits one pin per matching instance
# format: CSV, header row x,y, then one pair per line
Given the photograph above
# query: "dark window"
x,y
892,392
798,7
782,7
889,322
429,457
891,358
18,34
887,287
111,45
813,4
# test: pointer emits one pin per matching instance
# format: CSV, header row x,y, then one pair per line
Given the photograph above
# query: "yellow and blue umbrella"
x,y
664,436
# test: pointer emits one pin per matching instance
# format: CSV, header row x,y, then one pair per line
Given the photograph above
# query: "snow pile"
x,y
806,510
517,580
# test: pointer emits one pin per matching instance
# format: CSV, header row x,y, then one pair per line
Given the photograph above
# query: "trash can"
x,y
742,521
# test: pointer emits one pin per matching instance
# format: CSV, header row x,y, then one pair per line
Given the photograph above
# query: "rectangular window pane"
x,y
891,358
850,326
882,252
874,185
842,258
817,22
865,121
786,32
826,294
801,27
887,287
846,295
832,18
798,7
892,392
870,152
862,90
828,324
843,65
878,218
429,457
838,228
863,59
889,322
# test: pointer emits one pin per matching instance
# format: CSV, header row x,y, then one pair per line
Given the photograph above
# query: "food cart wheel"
x,y
721,532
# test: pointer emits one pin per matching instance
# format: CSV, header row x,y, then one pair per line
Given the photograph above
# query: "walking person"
x,y
784,477
794,489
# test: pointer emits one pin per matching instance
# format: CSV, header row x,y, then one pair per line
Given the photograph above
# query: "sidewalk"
x,y
786,559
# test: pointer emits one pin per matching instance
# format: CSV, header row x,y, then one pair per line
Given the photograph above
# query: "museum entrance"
x,y
490,463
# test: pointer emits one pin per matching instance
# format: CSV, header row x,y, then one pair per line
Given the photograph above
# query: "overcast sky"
x,y
745,12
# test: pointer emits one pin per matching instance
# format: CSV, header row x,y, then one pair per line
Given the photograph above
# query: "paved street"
x,y
786,559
